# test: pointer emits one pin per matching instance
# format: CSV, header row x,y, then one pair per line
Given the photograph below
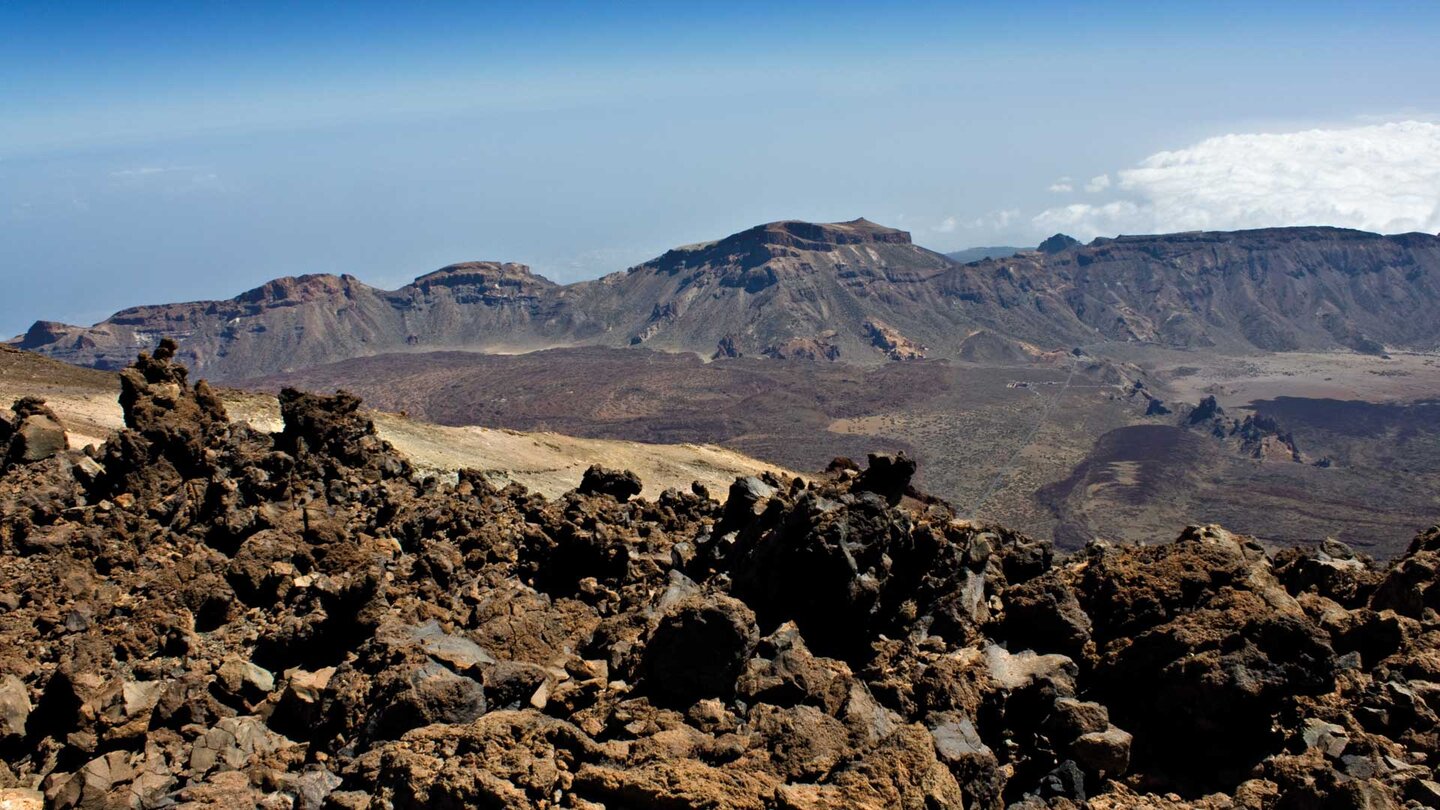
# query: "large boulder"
x,y
847,567
887,476
30,432
698,649
1410,587
620,485
37,438
1202,651
330,433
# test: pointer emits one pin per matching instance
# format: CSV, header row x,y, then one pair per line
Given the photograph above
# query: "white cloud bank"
x,y
1383,178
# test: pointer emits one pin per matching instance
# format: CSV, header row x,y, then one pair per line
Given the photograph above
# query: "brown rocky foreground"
x,y
199,614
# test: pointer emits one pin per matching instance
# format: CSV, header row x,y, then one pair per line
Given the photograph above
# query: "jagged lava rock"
x,y
199,612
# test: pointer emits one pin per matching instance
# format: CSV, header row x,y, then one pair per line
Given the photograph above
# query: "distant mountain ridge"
x,y
976,254
851,291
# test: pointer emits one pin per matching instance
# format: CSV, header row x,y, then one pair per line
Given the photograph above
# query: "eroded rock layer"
x,y
202,615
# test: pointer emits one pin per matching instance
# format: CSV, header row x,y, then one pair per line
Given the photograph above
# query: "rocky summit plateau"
x,y
198,613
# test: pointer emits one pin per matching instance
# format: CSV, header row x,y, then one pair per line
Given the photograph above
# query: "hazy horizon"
x,y
152,153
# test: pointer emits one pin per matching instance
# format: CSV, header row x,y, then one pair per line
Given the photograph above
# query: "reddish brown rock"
x,y
212,616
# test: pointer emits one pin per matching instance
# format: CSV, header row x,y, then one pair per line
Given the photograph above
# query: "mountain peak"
x,y
296,289
758,245
482,274
822,236
1057,243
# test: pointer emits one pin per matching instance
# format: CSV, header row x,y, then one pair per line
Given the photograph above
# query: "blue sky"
x,y
157,152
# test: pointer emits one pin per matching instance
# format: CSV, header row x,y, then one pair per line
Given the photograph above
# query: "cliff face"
x,y
1277,289
770,289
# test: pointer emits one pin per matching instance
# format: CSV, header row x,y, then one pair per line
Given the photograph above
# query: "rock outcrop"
x,y
199,614
894,345
1257,436
30,432
1058,243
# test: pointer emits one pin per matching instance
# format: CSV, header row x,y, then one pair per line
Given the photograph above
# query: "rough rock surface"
x,y
30,432
198,614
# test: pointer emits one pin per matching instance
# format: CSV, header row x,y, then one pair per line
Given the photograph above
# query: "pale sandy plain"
x,y
548,463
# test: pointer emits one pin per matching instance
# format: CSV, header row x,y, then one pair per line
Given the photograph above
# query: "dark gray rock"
x,y
698,650
1066,781
1057,243
887,476
435,695
620,485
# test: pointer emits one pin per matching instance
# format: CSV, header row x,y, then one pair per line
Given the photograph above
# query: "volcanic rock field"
x,y
199,614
